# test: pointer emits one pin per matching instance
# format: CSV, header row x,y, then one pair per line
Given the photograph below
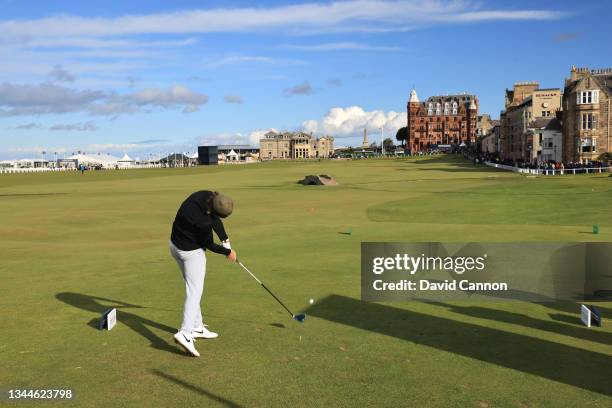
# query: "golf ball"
x,y
311,301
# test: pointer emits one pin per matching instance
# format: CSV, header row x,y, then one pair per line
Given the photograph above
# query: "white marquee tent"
x,y
125,160
104,160
232,155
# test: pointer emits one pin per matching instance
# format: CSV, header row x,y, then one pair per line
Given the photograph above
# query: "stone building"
x,y
294,145
484,125
586,114
544,141
489,144
524,103
441,120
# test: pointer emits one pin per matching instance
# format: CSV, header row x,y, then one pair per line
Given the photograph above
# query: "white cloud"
x,y
305,17
45,98
92,42
59,74
233,99
109,146
256,135
37,150
175,95
342,46
301,89
77,127
93,148
27,99
251,59
248,138
239,59
222,139
28,126
338,122
350,122
191,108
500,15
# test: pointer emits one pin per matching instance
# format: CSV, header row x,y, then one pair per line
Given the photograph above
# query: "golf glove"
x,y
226,244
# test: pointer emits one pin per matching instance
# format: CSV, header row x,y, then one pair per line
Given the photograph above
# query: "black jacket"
x,y
194,224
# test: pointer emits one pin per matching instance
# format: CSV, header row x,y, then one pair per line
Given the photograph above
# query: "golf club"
x,y
300,317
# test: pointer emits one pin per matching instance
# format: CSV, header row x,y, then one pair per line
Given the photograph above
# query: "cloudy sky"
x,y
153,76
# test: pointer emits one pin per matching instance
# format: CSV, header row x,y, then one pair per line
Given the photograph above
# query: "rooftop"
x,y
236,146
545,123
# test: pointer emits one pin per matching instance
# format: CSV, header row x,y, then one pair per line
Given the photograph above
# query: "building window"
x,y
588,145
430,109
589,121
545,114
455,106
446,108
591,96
438,109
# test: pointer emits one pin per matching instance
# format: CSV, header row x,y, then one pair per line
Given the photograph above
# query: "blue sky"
x,y
146,77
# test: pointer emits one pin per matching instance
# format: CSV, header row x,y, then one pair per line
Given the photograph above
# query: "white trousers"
x,y
193,268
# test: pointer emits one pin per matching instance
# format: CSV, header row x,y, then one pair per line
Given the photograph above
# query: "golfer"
x,y
197,218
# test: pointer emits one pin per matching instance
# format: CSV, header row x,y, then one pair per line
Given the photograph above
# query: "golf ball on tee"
x,y
311,301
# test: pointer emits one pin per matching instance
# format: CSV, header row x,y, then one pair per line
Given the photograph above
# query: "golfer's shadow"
x,y
140,325
567,364
575,329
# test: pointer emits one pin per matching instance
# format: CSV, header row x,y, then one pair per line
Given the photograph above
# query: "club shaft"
x,y
265,287
250,273
277,299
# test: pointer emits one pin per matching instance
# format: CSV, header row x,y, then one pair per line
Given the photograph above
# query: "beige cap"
x,y
222,205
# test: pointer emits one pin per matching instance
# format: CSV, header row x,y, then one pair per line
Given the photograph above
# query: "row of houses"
x,y
542,125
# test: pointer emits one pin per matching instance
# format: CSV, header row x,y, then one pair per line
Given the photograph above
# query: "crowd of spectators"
x,y
481,158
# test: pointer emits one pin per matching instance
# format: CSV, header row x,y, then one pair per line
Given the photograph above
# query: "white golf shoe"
x,y
203,333
187,342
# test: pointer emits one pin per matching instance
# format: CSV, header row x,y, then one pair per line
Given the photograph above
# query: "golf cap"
x,y
222,205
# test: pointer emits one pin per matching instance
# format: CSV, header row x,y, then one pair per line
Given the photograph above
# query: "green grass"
x,y
70,241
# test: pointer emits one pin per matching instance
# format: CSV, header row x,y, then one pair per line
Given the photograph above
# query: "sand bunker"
x,y
320,180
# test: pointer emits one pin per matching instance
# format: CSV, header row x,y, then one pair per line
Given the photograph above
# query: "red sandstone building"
x,y
441,120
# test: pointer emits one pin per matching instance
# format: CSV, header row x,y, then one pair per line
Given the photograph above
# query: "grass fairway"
x,y
72,244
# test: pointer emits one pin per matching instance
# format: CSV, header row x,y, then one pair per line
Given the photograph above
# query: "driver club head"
x,y
300,317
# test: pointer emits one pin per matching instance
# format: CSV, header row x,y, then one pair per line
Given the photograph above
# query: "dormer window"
x,y
446,108
438,109
430,109
455,106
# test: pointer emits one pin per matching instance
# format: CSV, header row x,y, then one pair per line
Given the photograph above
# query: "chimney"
x,y
573,73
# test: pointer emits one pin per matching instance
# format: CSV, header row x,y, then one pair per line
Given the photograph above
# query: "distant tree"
x,y
373,145
388,144
402,135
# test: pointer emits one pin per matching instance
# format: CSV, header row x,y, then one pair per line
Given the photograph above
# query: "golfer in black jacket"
x,y
197,218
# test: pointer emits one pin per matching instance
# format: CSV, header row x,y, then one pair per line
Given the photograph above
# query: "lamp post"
x,y
382,140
